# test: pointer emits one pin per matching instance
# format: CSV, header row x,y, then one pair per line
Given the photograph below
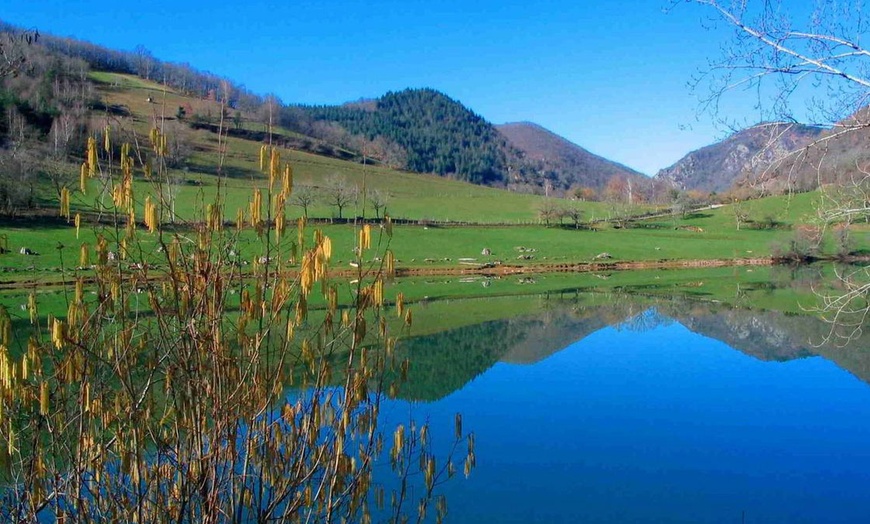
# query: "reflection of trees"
x,y
445,362
645,321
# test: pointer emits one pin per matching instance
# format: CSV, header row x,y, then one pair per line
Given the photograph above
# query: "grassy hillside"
x,y
409,195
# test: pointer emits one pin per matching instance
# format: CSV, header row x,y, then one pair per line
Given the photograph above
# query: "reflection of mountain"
x,y
766,335
771,335
554,331
445,362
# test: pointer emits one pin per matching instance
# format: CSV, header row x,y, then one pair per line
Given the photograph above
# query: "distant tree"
x,y
304,197
237,120
738,210
548,211
574,214
340,193
181,113
680,203
144,62
12,53
585,194
378,199
180,145
268,112
619,196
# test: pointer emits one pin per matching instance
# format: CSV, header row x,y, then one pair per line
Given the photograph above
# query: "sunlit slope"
x,y
135,105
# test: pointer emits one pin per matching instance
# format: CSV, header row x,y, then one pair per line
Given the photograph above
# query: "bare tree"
x,y
573,213
379,200
304,197
340,193
548,211
12,55
782,59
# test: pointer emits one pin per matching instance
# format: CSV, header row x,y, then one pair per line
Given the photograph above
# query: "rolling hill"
x,y
561,160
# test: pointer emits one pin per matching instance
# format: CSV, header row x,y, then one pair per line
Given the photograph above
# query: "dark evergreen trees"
x,y
438,134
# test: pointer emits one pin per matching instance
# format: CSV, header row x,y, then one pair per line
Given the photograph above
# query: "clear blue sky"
x,y
609,76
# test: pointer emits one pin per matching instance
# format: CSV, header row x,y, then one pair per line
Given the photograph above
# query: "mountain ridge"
x,y
739,158
560,159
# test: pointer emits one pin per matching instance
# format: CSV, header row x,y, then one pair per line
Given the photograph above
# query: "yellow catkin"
x,y
256,207
326,248
378,292
84,255
78,223
264,149
64,203
280,223
118,195
92,156
43,399
400,304
390,263
31,307
287,182
5,326
83,177
368,231
107,146
274,166
57,332
151,219
240,219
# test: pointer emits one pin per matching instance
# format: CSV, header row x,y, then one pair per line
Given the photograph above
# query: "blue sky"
x,y
609,76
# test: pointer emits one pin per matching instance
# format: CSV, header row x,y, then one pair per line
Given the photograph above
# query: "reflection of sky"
x,y
661,426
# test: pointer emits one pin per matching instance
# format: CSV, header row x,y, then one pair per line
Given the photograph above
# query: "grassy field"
x,y
704,236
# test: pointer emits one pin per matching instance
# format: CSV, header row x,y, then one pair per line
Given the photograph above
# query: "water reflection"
x,y
444,362
629,408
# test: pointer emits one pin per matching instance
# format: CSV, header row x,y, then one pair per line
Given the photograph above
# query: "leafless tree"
x,y
340,193
573,213
783,58
548,211
304,197
378,200
12,55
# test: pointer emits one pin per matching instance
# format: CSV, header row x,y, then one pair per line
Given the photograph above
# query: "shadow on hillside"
x,y
227,171
112,109
44,219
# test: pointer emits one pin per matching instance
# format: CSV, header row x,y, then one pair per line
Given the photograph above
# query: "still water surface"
x,y
659,424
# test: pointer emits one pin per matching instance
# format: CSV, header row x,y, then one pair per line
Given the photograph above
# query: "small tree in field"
x,y
304,197
340,193
378,199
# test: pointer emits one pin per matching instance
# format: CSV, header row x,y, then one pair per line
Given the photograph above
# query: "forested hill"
x,y
434,134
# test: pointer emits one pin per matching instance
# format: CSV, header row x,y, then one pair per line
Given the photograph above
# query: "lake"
x,y
708,395
639,409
